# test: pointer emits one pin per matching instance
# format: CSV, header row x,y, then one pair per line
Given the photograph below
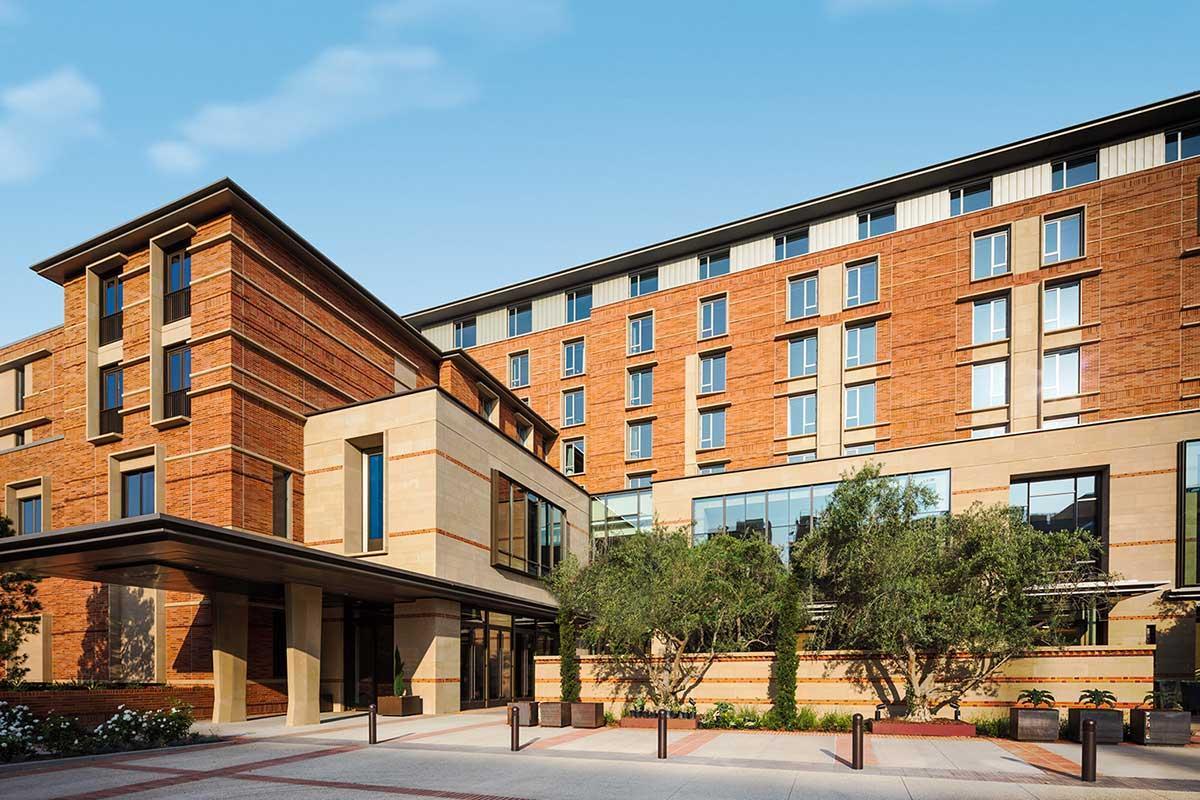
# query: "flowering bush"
x,y
65,736
22,735
18,732
132,730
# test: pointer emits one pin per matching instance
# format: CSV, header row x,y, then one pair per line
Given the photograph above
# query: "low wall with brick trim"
x,y
93,706
826,680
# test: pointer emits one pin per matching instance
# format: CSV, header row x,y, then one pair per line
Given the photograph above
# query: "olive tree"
x,y
19,605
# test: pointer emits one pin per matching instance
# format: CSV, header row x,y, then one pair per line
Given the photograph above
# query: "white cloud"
x,y
42,118
511,20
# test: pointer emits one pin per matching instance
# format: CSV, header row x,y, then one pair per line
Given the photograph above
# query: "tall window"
x,y
579,304
19,388
1074,171
1066,502
802,415
876,222
641,334
528,531
712,428
989,384
281,503
1183,144
112,394
713,314
1061,306
1189,507
177,299
714,264
112,301
573,452
137,492
802,297
1060,373
975,197
644,282
641,386
860,405
518,370
712,373
640,439
520,319
179,380
573,412
989,320
802,357
487,404
29,515
573,363
465,333
860,345
372,498
791,244
862,283
989,254
1062,237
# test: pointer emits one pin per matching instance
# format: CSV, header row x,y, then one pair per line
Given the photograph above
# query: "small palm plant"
x,y
1099,698
1036,697
1164,700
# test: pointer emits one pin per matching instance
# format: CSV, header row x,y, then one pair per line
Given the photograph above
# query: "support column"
x,y
427,635
229,626
302,609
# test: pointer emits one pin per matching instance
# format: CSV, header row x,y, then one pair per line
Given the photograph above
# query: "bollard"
x,y
1087,767
514,722
371,733
856,743
662,733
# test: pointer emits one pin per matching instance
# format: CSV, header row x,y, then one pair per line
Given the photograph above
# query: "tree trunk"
x,y
919,709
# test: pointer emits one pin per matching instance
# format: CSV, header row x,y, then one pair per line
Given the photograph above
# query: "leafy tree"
x,y
943,601
664,609
18,604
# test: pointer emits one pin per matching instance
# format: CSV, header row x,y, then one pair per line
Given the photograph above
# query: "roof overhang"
x,y
164,552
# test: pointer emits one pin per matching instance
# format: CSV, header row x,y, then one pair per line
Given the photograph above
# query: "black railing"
x,y
110,421
110,328
177,304
176,404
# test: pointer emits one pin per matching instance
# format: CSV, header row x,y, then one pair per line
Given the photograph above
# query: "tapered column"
x,y
229,623
302,608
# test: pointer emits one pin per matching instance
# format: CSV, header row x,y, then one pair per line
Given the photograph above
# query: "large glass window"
x,y
137,492
112,396
1062,237
620,513
573,358
372,494
802,357
712,373
179,381
989,320
989,384
1061,306
177,300
29,514
860,405
1060,373
573,410
1074,171
802,415
641,386
528,531
860,345
1189,507
518,370
975,197
876,222
641,334
112,301
712,428
791,244
464,333
579,304
714,264
520,319
802,297
1183,144
1064,502
640,439
573,457
862,283
644,282
713,317
989,254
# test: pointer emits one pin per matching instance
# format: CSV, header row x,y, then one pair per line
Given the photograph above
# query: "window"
x,y
1183,144
802,357
641,334
1189,507
860,345
111,304
639,481
573,407
712,428
179,380
177,301
860,405
19,389
112,395
525,432
1060,422
714,264
989,254
989,431
281,503
29,515
802,297
579,304
858,449
712,373
372,500
573,463
801,458
989,385
975,197
640,439
518,370
528,531
792,244
644,282
137,492
989,320
1060,373
464,333
862,283
1067,502
18,438
641,386
619,513
1074,171
876,222
1061,306
487,404
573,363
520,319
713,313
1062,237
802,415
712,469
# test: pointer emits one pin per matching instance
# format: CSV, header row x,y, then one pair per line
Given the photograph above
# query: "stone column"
x,y
302,609
229,625
427,634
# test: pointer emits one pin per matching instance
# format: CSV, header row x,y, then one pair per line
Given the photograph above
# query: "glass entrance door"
x,y
367,655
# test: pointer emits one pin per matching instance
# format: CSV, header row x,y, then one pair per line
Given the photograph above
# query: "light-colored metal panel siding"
x,y
754,253
549,311
490,325
923,209
1021,184
1132,156
677,273
612,290
441,335
833,232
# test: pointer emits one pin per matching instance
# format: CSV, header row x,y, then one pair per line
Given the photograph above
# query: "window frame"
x,y
639,425
575,444
512,357
856,268
178,398
869,216
369,456
461,325
19,388
1064,164
782,240
24,517
515,311
1057,356
1101,475
568,404
1057,218
109,422
803,281
712,328
286,476
1057,288
177,301
1181,134
1181,564
805,424
634,398
634,321
857,390
802,341
141,476
990,303
874,338
712,358
574,298
991,233
1004,371
704,263
715,440
636,279
569,369
963,190
111,321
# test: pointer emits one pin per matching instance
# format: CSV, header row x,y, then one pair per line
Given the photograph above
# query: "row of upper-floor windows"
x,y
177,304
177,381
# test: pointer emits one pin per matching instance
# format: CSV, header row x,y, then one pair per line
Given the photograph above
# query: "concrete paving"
x,y
466,757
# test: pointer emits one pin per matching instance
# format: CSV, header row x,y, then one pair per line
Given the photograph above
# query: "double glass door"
x,y
497,656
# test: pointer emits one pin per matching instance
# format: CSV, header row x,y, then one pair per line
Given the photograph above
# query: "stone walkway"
x,y
467,757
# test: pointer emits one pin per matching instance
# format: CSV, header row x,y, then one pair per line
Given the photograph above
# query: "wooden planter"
x,y
943,727
587,715
1148,726
527,710
1033,724
673,723
405,706
1110,724
554,715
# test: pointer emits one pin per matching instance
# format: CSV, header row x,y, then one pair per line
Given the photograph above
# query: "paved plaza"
x,y
467,757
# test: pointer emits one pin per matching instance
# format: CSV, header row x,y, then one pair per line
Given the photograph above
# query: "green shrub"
x,y
835,722
18,732
992,727
806,720
783,669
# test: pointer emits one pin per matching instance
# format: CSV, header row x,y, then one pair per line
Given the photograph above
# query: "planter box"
x,y
1160,727
528,712
673,723
554,715
1110,724
587,715
945,727
1033,724
404,706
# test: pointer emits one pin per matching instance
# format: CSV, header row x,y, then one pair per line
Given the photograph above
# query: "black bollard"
x,y
371,734
662,733
856,743
1087,767
514,722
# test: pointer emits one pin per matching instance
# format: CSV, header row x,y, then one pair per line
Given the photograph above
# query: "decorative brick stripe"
x,y
573,736
404,791
440,532
430,615
323,470
445,455
316,542
843,747
1038,756
434,680
980,490
1143,473
1142,543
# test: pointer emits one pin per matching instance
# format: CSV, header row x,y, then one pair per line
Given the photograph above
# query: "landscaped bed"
x,y
24,736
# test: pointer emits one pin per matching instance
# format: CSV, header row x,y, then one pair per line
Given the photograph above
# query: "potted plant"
x,y
1165,722
1031,723
400,703
679,716
1110,722
557,713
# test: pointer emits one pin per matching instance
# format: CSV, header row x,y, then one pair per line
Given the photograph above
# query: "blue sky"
x,y
435,148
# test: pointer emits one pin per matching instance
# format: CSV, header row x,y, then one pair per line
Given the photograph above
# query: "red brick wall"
x,y
93,706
